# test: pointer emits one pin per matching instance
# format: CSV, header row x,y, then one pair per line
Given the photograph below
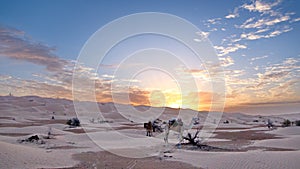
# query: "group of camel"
x,y
175,125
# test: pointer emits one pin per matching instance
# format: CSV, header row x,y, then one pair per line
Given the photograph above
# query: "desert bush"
x,y
192,139
297,122
226,122
286,123
74,122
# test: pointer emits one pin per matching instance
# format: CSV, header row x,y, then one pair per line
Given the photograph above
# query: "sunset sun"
x,y
174,105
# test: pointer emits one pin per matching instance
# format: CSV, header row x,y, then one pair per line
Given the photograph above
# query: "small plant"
x,y
49,133
226,122
74,122
192,139
286,123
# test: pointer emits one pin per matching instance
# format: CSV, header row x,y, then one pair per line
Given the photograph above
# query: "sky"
x,y
256,42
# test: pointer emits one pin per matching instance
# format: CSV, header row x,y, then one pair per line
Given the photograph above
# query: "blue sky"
x,y
66,25
257,42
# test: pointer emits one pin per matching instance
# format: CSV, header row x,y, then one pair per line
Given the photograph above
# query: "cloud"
x,y
260,6
57,87
202,36
139,97
227,61
234,73
202,74
258,58
214,21
196,71
264,22
283,89
109,66
279,73
295,20
269,24
289,64
272,76
16,45
235,14
257,35
19,87
271,103
229,16
226,50
276,83
57,81
291,61
271,82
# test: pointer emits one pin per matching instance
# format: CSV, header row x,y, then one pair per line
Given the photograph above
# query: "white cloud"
x,y
275,33
283,70
227,61
250,36
295,20
235,14
264,22
226,50
266,19
258,34
270,23
262,30
259,6
214,21
229,16
258,58
213,29
291,61
277,20
203,34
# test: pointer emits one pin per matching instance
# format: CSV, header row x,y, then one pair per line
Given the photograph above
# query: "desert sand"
x,y
243,142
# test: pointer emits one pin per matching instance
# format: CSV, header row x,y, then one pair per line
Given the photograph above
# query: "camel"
x,y
153,126
178,126
270,124
149,128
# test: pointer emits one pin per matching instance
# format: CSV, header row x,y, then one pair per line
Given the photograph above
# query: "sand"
x,y
243,143
108,160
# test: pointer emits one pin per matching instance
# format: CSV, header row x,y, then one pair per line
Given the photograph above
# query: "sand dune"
x,y
245,140
23,156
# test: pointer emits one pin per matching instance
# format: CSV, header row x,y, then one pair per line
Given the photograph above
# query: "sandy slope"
x,y
22,156
247,160
290,140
